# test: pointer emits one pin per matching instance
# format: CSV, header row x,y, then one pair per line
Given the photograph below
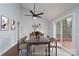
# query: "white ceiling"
x,y
50,10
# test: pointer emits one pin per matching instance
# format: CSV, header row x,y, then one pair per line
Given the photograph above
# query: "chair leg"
x,y
21,51
46,51
56,47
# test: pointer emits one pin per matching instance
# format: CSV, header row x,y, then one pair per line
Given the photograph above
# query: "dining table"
x,y
38,41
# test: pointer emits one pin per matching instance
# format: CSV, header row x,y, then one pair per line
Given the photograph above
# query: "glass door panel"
x,y
67,31
58,35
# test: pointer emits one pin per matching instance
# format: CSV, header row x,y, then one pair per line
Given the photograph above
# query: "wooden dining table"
x,y
39,41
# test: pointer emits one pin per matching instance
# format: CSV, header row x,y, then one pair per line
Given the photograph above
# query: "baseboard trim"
x,y
67,50
8,49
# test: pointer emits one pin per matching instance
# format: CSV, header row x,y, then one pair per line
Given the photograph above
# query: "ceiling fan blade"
x,y
32,12
40,14
28,15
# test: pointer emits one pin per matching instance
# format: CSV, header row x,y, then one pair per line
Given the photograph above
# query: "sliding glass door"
x,y
64,32
67,32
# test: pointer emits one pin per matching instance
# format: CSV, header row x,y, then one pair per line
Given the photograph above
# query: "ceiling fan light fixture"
x,y
34,17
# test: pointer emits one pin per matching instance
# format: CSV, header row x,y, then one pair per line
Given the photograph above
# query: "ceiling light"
x,y
34,17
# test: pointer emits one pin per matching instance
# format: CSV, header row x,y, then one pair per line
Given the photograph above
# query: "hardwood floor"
x,y
67,44
12,52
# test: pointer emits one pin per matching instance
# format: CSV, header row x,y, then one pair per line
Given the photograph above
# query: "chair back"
x,y
22,40
20,44
36,34
40,50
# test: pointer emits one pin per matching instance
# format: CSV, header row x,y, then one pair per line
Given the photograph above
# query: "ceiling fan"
x,y
34,15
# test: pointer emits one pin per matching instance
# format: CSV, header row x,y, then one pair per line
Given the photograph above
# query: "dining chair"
x,y
22,45
53,43
40,50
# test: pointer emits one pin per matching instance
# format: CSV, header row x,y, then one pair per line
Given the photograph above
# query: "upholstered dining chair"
x,y
36,34
22,45
40,50
53,43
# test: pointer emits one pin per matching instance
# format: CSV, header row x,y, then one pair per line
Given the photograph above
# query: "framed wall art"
x,y
0,22
12,24
4,23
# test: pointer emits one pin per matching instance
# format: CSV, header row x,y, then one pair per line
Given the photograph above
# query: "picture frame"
x,y
0,22
4,23
12,24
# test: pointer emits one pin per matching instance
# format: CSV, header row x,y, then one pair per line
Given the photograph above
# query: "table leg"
x,y
56,47
27,49
49,49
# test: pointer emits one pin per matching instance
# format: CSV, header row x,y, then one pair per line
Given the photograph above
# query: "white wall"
x,y
8,38
75,28
27,22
